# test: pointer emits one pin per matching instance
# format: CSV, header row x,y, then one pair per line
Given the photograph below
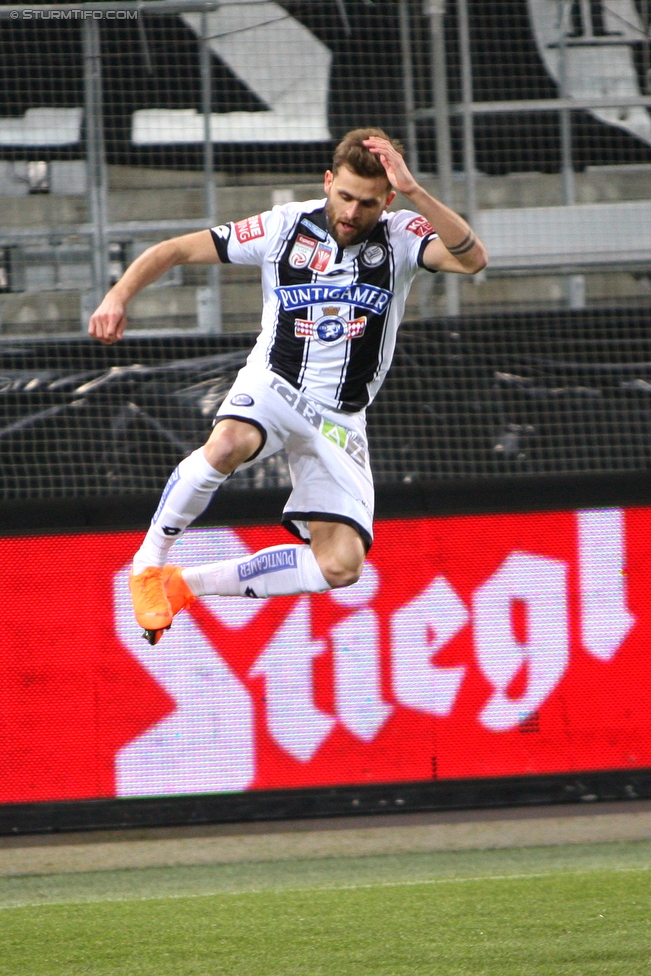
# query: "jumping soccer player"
x,y
335,278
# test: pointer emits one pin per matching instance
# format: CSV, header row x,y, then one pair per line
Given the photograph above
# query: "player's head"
x,y
357,187
352,153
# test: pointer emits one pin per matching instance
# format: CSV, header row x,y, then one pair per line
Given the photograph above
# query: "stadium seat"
x,y
42,127
584,236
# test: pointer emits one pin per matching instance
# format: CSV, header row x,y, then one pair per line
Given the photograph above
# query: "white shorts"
x,y
327,451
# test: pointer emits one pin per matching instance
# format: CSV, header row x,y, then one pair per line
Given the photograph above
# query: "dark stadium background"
x,y
366,87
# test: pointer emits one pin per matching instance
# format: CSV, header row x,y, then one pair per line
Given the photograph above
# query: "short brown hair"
x,y
352,152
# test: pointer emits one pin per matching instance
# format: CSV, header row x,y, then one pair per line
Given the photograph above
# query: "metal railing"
x,y
468,109
99,231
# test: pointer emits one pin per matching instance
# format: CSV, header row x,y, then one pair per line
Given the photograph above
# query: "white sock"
x,y
277,571
187,493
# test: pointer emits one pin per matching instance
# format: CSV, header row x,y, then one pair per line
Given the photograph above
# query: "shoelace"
x,y
151,590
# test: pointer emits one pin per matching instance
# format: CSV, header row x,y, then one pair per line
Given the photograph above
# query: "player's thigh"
x,y
332,488
250,415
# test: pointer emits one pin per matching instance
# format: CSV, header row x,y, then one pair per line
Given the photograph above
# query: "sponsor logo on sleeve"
x,y
247,230
302,251
223,231
373,255
420,227
321,257
242,400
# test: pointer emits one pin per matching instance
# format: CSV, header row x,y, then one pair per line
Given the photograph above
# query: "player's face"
x,y
355,204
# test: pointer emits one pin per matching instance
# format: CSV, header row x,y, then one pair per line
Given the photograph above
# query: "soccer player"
x,y
335,276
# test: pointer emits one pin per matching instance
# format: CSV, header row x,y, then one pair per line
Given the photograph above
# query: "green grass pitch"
x,y
559,911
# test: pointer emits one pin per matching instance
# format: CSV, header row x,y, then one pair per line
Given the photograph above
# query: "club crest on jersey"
x,y
302,251
330,328
373,255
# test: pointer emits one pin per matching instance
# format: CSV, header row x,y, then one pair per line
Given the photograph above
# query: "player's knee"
x,y
340,572
223,453
229,446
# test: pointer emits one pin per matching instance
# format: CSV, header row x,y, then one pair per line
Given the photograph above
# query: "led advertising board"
x,y
473,646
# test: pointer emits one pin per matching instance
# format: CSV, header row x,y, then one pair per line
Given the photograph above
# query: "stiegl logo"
x,y
209,742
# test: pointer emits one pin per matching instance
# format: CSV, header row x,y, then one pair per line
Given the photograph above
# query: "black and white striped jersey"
x,y
330,315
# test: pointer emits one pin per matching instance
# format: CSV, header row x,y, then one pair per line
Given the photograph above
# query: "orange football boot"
x,y
177,590
179,596
150,604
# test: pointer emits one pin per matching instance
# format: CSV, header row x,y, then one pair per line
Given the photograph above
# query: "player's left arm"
x,y
457,247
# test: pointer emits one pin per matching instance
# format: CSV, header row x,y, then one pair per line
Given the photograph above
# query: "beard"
x,y
347,240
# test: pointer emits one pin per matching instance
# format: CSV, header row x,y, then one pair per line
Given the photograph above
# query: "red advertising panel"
x,y
472,646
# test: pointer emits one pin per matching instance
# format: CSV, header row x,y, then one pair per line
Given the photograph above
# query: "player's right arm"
x,y
109,321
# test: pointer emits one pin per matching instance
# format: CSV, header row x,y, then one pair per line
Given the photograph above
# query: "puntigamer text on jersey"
x,y
369,297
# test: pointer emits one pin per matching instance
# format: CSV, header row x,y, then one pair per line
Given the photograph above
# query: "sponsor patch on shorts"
x,y
348,440
242,400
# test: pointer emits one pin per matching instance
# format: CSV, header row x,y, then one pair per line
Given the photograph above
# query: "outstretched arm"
x,y
109,321
457,248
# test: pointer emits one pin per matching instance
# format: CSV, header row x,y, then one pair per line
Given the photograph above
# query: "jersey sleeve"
x,y
246,241
411,233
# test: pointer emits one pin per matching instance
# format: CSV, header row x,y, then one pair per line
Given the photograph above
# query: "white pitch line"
x,y
354,887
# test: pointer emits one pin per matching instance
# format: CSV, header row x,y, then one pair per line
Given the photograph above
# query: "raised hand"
x,y
397,171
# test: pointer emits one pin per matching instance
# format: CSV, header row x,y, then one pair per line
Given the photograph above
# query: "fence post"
x,y
575,283
209,311
435,10
96,176
468,117
408,86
